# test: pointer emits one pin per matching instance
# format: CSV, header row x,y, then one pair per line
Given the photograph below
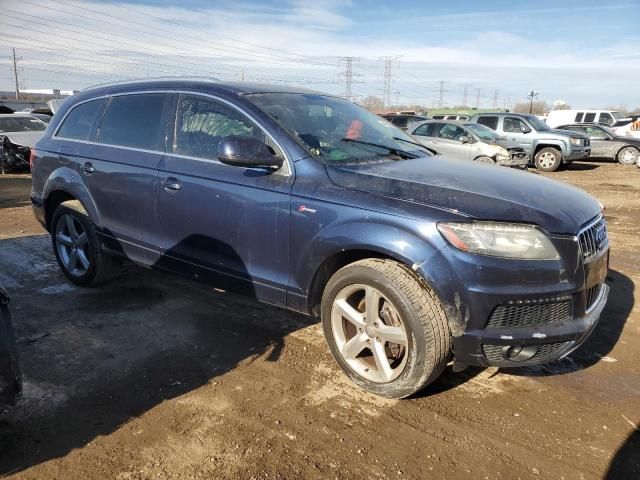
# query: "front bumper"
x,y
513,160
577,153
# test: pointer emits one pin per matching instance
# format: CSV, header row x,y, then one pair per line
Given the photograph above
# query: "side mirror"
x,y
525,129
466,139
247,152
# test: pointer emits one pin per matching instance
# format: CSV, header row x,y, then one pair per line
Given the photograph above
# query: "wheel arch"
x,y
66,185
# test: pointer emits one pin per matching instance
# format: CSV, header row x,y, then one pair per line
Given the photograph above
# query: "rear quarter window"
x,y
489,121
79,123
589,117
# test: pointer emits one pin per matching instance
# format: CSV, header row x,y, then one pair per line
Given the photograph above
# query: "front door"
x,y
516,130
227,223
449,142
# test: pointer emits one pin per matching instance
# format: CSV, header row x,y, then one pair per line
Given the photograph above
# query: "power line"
x,y
478,90
465,95
441,89
347,75
388,61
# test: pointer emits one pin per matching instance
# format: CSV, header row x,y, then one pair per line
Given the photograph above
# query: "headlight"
x,y
575,141
509,240
503,153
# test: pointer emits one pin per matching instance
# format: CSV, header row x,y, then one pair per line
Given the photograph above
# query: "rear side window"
x,y
78,124
202,122
134,121
489,121
579,116
589,117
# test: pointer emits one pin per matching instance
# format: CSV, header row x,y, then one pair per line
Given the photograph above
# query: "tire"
x,y
73,231
407,311
484,159
548,159
628,156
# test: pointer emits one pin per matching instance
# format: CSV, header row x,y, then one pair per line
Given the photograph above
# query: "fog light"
x,y
519,353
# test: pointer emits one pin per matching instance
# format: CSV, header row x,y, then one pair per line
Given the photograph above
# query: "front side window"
x,y
202,122
78,124
595,132
344,133
589,117
489,121
451,132
11,125
421,130
606,118
482,132
32,124
514,125
135,121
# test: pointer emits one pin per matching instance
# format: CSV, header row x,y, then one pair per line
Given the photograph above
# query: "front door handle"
x,y
88,168
172,184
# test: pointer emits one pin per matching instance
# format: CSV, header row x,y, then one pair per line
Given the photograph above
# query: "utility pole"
x,y
442,83
242,75
387,78
15,72
531,96
347,75
465,95
478,90
495,98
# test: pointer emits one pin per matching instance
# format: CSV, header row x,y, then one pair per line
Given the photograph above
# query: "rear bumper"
x,y
514,347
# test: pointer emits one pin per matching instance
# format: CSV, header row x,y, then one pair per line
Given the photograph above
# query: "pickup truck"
x,y
549,148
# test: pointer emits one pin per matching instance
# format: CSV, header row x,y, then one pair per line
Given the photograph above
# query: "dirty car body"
x,y
470,141
348,186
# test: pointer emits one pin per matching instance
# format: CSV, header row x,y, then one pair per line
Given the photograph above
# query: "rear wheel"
x,y
548,159
628,156
385,328
77,249
484,160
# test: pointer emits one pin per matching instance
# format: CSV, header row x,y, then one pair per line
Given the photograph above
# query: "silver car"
x,y
470,141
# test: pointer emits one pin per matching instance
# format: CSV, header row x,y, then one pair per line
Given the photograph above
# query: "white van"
x,y
565,117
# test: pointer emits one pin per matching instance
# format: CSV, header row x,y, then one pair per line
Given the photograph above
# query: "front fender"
x,y
561,144
67,180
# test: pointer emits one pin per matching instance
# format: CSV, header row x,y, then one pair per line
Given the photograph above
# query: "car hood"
x,y
481,191
26,139
565,133
630,140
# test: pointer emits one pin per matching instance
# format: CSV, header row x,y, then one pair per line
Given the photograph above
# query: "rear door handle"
x,y
88,168
172,184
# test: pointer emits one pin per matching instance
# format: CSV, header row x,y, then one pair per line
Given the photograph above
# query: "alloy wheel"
x,y
72,244
547,160
369,333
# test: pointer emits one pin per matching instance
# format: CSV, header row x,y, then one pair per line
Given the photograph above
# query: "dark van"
x,y
309,202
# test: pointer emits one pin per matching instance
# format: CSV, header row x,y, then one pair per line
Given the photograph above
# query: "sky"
x,y
585,53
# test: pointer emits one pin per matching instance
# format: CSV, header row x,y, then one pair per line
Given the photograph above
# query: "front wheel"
x,y
385,328
548,159
485,160
628,156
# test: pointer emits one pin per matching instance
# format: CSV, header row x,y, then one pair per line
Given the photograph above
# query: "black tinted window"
x,y
421,130
202,122
79,123
134,121
606,118
491,122
589,117
513,125
578,117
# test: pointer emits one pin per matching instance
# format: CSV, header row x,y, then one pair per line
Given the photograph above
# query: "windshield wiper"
x,y
412,143
392,150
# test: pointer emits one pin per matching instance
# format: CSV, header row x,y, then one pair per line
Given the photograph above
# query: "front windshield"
x,y
482,132
336,130
537,124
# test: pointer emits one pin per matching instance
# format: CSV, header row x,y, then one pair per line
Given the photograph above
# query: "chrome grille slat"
x,y
594,238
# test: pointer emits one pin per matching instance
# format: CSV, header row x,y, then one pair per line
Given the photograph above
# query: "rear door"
x,y
228,223
121,174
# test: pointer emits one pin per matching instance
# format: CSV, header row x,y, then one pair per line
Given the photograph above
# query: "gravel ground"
x,y
154,376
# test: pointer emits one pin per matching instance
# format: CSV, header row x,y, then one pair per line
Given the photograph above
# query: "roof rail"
x,y
152,79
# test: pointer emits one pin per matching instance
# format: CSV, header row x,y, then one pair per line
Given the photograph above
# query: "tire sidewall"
x,y
556,164
93,245
619,156
416,368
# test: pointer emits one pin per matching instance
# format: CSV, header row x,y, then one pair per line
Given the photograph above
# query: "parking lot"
x,y
154,376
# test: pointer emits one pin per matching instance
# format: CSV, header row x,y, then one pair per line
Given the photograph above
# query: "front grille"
x,y
594,238
530,315
592,294
545,353
587,142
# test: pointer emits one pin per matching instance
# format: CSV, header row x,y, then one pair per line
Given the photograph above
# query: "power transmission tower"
x,y
478,90
15,72
495,98
387,78
465,95
348,76
442,91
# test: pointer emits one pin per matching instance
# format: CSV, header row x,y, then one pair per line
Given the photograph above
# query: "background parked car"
x,y
404,121
549,148
606,144
18,133
470,141
450,117
563,117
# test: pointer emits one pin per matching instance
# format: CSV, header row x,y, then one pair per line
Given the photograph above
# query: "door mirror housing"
x,y
525,129
466,139
248,152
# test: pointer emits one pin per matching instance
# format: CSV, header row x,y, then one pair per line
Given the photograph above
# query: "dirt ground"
x,y
154,376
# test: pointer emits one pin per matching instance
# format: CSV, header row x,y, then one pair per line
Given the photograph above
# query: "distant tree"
x,y
372,103
620,108
635,111
562,106
539,108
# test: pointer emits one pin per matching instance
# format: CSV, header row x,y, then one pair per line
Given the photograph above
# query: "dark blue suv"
x,y
309,202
